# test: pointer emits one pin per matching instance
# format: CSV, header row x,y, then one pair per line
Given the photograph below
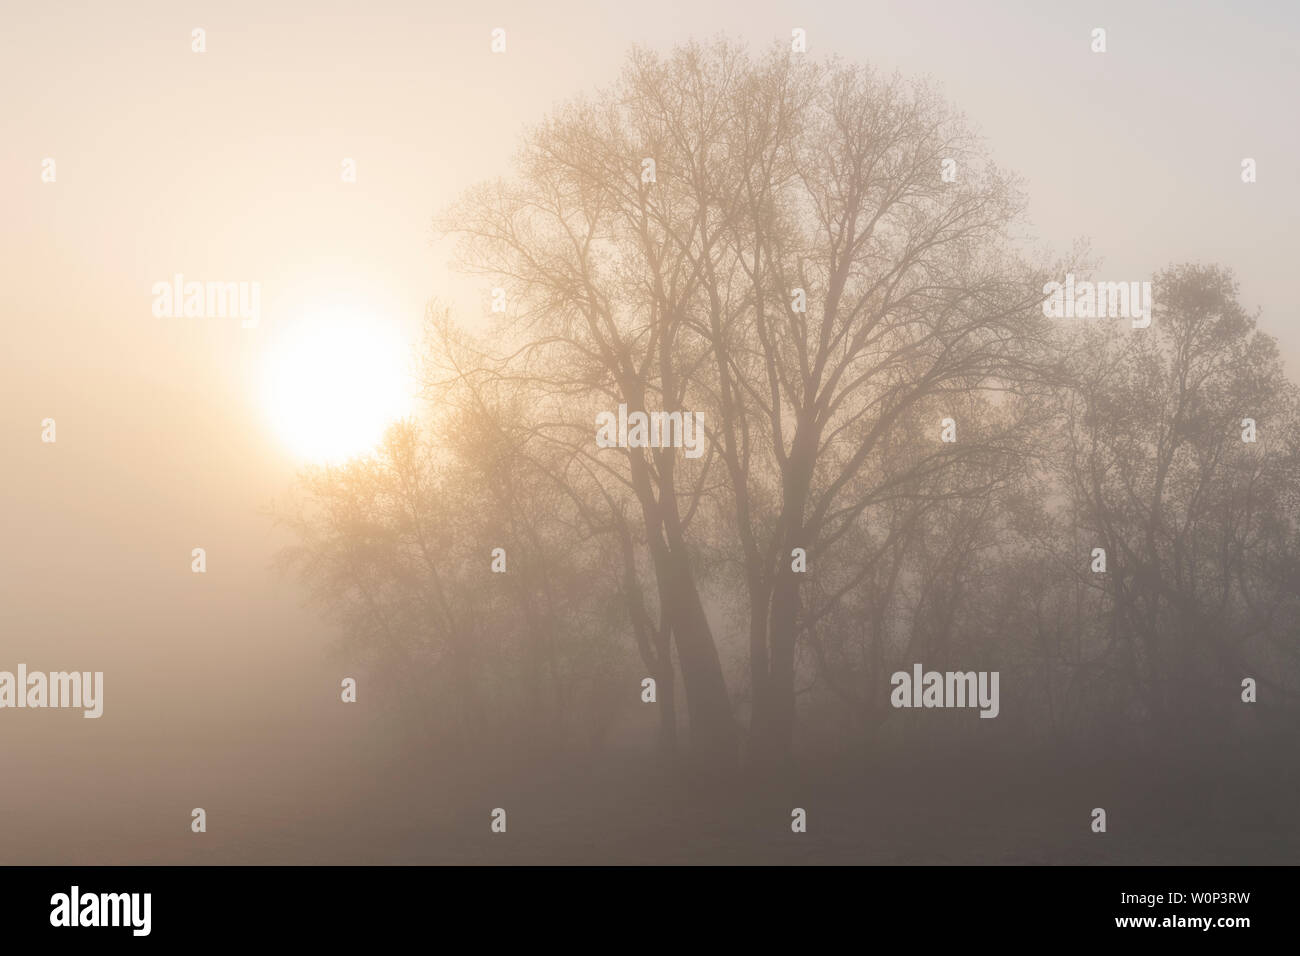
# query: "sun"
x,y
334,381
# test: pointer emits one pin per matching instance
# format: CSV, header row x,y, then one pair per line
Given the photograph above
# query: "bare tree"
x,y
1193,504
800,268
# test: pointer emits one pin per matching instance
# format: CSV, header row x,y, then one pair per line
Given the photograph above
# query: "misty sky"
x,y
225,165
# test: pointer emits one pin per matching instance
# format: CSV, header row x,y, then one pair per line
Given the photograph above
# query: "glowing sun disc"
x,y
334,382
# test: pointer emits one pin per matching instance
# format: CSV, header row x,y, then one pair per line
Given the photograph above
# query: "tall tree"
x,y
815,257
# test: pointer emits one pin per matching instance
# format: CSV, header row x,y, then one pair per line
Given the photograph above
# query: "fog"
x,y
222,688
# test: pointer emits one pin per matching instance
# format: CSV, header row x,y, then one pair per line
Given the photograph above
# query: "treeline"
x,y
823,265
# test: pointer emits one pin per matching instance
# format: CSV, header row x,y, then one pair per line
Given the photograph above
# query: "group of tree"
x,y
772,242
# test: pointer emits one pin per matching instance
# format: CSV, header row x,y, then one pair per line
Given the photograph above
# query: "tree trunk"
x,y
773,725
713,726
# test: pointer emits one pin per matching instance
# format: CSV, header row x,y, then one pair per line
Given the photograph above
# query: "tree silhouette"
x,y
822,263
